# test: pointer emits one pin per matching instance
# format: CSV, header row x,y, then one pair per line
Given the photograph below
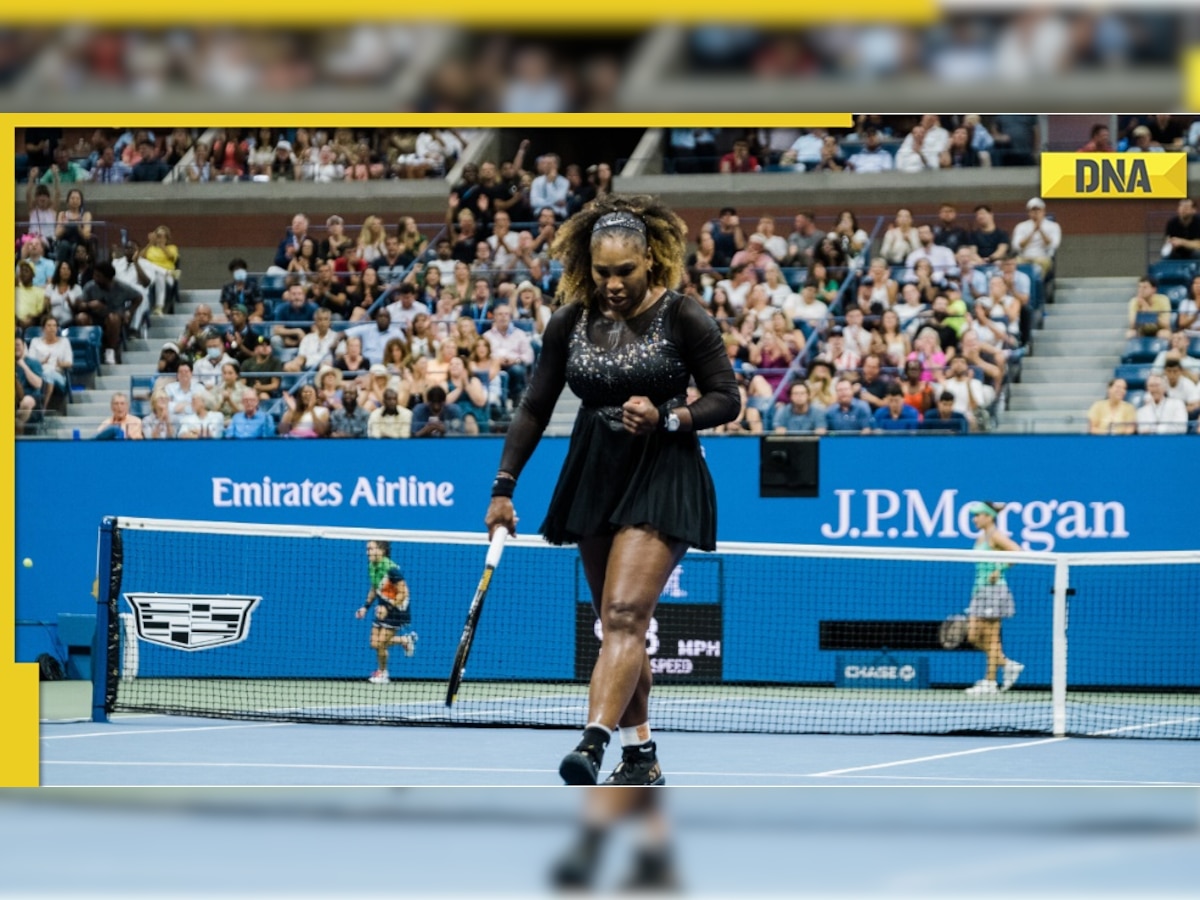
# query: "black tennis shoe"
x,y
582,765
653,870
638,767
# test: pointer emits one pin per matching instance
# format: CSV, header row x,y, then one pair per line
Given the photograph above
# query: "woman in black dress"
x,y
634,492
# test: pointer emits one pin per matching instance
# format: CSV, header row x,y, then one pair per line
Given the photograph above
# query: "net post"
x,y
106,638
1058,676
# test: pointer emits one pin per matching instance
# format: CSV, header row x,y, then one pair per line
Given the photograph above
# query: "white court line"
x,y
67,737
1039,782
254,765
1143,727
918,759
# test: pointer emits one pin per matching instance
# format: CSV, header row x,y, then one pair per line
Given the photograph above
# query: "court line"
x,y
679,774
919,759
1143,727
67,737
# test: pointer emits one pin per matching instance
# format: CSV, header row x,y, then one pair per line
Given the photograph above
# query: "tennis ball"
x,y
28,563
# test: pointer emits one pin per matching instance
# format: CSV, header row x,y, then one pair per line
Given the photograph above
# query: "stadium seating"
x,y
1170,272
1142,350
1135,375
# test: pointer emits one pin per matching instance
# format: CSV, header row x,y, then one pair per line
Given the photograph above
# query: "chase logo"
x,y
192,621
1114,175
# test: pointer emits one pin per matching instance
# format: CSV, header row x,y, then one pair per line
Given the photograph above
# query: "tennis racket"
x,y
953,632
468,633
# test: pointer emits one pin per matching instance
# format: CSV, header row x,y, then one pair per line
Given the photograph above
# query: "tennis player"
x,y
634,492
393,617
991,602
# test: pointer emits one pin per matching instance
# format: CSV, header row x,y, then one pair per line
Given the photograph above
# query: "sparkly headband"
x,y
621,219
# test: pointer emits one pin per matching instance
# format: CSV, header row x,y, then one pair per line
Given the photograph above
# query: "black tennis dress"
x,y
612,478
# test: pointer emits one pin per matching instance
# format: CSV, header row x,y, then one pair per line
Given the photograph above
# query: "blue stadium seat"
x,y
31,332
140,389
86,346
1142,350
1173,271
1176,293
1194,347
1135,375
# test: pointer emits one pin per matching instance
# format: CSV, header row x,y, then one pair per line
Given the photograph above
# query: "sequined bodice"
x,y
610,361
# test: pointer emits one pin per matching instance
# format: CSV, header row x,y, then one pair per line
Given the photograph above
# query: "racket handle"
x,y
499,536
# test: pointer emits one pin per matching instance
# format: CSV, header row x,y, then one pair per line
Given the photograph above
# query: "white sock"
x,y
635,735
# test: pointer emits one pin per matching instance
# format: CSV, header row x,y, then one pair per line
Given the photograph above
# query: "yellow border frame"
x,y
19,683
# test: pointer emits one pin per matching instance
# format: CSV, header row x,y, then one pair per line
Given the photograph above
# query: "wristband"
x,y
504,485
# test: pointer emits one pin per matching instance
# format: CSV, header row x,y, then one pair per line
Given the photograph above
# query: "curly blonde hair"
x,y
665,237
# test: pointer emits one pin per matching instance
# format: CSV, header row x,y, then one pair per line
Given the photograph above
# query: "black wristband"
x,y
504,487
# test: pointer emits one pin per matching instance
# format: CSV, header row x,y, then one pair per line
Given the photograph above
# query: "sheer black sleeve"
x,y
536,407
700,343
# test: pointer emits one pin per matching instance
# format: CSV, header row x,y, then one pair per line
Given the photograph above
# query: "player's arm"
x,y
1002,542
362,610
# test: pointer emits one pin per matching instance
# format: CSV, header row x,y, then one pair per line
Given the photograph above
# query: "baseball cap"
x,y
261,340
241,307
170,345
378,369
284,145
757,238
1036,203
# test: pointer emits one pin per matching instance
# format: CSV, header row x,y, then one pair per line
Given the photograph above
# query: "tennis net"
x,y
259,622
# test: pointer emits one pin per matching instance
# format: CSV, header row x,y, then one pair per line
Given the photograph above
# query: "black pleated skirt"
x,y
611,479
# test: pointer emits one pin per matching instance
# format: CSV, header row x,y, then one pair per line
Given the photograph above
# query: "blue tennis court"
x,y
166,750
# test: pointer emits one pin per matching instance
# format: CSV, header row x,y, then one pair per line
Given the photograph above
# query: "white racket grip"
x,y
499,536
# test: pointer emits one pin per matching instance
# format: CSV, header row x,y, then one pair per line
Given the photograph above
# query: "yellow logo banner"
x,y
1106,176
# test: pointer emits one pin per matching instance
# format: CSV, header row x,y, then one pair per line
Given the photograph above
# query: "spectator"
x,y
1113,415
727,233
799,415
1159,413
252,422
242,290
804,240
857,337
56,358
512,349
393,263
830,159
227,394
927,350
349,420
872,157
894,414
32,304
63,170
158,425
895,343
755,254
34,252
911,308
138,274
997,316
873,386
1037,239
435,417
1142,141
207,369
1183,232
940,257
929,285
181,391
290,245
970,394
1149,311
109,169
1100,141
918,392
295,312
284,166
390,420
989,361
169,359
947,232
73,227
149,168
847,414
901,239
375,335
959,154
163,257
972,281
1166,131
317,346
120,422
943,417
406,306
352,362
241,337
1018,139
773,243
199,421
108,303
739,159
266,362
41,209
30,383
550,189
1178,346
305,418
990,242
915,155
1188,313
820,383
200,169
1180,386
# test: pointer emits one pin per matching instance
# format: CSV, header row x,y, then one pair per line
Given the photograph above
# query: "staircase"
x,y
90,407
1075,354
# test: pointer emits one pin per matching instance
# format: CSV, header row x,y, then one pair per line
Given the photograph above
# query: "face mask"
x,y
214,352
239,274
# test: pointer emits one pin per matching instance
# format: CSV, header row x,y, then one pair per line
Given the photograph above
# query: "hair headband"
x,y
621,219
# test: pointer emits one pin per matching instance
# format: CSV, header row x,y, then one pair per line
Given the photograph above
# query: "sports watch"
x,y
672,421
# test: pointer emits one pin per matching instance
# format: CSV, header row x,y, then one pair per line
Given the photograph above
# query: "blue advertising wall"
x,y
1065,493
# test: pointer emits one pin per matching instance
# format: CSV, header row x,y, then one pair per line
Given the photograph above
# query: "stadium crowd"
x,y
391,328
